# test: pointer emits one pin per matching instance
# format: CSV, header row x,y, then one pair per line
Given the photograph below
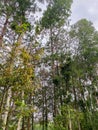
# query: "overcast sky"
x,y
85,9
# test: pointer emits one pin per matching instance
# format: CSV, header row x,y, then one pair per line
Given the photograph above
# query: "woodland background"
x,y
48,68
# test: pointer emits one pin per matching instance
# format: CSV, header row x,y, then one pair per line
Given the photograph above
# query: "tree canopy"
x,y
48,68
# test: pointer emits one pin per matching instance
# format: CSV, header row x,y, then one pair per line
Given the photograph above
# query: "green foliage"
x,y
23,6
21,28
56,13
56,80
37,29
69,82
66,69
67,115
23,109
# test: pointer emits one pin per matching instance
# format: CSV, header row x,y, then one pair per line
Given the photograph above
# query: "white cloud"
x,y
85,9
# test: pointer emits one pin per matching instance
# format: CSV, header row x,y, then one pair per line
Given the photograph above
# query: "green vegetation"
x,y
51,85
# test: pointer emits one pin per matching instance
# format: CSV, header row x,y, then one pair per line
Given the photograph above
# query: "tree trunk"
x,y
3,32
32,121
46,112
19,123
33,117
7,109
79,126
28,123
29,117
43,114
70,122
53,72
23,127
2,102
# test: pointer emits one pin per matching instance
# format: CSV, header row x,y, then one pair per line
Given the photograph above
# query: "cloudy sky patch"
x,y
85,9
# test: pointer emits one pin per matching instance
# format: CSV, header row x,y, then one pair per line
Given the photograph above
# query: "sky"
x,y
85,9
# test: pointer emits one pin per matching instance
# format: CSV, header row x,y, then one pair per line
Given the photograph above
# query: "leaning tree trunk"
x,y
2,102
7,109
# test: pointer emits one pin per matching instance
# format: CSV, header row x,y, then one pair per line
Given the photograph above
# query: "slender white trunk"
x,y
7,108
70,122
19,123
79,127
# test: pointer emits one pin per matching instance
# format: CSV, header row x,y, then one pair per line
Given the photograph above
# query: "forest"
x,y
48,67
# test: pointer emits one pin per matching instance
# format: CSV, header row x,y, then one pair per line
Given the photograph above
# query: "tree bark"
x,y
23,127
32,121
46,112
33,117
19,123
7,109
3,32
70,122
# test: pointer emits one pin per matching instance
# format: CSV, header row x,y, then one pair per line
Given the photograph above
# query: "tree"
x,y
18,68
85,61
